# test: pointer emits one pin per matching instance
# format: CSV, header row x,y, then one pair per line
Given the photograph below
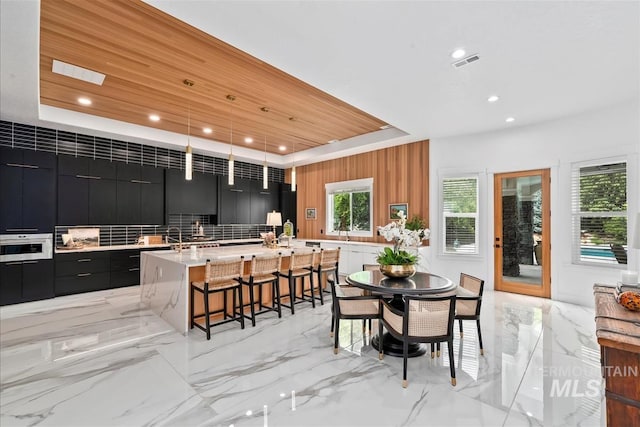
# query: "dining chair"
x,y
469,296
325,262
346,306
300,267
219,276
422,320
264,270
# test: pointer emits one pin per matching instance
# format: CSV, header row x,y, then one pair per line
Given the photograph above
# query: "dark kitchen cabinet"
x,y
235,202
27,190
198,196
262,202
81,272
86,191
125,268
288,205
23,281
139,194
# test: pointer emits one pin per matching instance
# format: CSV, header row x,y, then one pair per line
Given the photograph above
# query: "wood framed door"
x,y
522,242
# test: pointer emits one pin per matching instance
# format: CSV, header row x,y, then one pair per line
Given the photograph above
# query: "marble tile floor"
x,y
100,359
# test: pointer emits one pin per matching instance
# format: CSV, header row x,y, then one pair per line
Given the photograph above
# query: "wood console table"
x,y
618,332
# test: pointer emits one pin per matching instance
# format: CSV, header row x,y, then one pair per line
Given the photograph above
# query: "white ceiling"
x,y
545,59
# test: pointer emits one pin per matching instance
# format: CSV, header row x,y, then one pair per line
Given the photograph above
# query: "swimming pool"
x,y
596,252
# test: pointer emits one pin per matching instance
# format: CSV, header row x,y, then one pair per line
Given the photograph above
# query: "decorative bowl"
x,y
398,271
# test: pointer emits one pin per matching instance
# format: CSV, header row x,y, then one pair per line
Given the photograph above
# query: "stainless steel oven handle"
x,y
83,274
85,260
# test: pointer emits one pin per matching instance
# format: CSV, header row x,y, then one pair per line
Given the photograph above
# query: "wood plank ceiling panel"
x,y
146,56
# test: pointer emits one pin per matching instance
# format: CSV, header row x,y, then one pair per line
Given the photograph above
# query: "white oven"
x,y
21,247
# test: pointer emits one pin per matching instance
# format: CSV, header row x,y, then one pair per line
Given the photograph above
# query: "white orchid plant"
x,y
401,237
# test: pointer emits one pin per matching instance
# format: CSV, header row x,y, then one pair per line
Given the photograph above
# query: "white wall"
x,y
614,131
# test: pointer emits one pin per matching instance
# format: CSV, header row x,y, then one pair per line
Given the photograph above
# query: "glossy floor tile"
x,y
102,359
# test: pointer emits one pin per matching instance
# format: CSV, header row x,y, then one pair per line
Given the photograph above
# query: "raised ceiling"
x,y
147,55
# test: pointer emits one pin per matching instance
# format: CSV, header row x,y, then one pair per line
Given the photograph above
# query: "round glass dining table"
x,y
395,289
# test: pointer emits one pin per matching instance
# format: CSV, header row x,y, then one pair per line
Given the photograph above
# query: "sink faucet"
x,y
179,236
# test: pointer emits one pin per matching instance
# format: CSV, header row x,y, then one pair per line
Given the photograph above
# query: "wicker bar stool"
x,y
220,276
300,266
325,262
264,271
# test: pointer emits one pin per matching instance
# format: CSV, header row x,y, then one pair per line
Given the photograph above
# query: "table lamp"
x,y
274,219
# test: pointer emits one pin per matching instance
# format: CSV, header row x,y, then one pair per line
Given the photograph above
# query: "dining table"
x,y
394,290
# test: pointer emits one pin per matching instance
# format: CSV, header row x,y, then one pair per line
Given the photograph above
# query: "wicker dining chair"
x,y
469,296
424,320
326,261
264,270
347,306
220,276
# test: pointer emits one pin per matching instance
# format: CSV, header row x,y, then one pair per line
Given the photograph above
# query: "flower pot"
x,y
398,271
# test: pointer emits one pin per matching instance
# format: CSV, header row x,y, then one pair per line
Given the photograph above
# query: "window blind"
x,y
599,213
460,215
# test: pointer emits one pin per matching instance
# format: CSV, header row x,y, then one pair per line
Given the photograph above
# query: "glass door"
x,y
522,236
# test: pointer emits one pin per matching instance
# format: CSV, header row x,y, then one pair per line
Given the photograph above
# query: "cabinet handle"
x,y
136,181
83,274
16,165
85,260
236,190
29,262
134,269
134,256
264,192
14,263
21,229
88,177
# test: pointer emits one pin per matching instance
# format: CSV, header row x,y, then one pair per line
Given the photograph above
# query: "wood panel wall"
x,y
400,175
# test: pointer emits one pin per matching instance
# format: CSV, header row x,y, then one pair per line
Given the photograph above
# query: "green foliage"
x,y
399,257
351,211
416,223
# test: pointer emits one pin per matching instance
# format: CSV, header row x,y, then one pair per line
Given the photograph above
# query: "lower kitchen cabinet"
x,y
125,268
23,281
81,272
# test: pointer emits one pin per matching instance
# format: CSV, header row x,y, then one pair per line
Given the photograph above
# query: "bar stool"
x,y
264,270
300,266
326,262
219,276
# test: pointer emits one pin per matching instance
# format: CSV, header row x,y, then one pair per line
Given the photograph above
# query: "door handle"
x,y
496,246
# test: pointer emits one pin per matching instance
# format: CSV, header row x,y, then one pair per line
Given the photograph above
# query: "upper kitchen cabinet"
x,y
235,202
288,207
27,191
86,191
198,196
139,194
264,201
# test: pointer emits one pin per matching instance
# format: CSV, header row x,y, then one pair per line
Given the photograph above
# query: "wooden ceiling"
x,y
146,55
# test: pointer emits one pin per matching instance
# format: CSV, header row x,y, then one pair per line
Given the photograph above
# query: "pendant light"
x,y
265,168
293,168
188,155
231,171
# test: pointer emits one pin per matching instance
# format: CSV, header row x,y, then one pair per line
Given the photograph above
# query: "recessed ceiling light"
x,y
154,117
458,53
84,101
207,130
282,148
493,98
509,119
248,140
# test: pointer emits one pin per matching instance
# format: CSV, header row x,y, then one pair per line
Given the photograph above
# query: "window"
x,y
460,215
599,213
349,207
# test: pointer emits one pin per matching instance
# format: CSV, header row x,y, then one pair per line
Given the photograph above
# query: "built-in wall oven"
x,y
24,247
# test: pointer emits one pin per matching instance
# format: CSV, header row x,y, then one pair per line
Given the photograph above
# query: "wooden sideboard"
x,y
618,332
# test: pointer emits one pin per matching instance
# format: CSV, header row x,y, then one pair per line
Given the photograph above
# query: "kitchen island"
x,y
165,277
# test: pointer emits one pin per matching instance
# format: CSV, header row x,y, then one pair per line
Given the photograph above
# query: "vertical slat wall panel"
x,y
400,175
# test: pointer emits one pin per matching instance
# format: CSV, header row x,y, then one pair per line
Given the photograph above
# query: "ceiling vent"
x,y
465,61
76,72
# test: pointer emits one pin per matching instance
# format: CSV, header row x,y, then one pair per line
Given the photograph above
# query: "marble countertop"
x,y
345,243
199,258
109,248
